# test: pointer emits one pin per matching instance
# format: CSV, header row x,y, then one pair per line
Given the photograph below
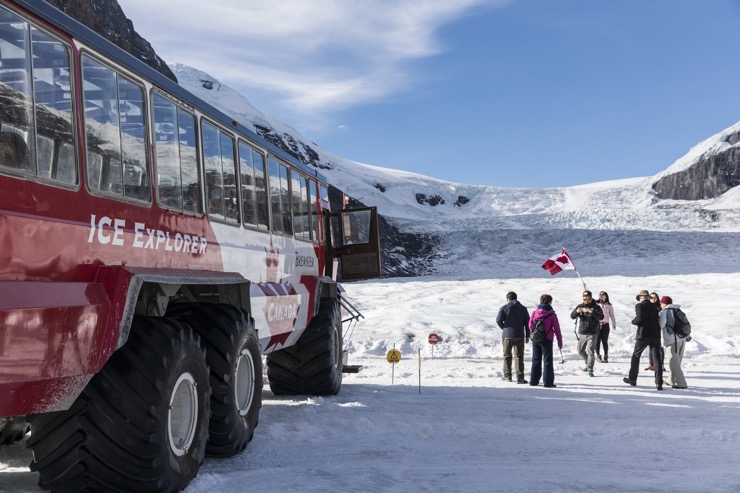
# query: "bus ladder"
x,y
354,317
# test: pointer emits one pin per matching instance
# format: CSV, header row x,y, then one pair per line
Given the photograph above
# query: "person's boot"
x,y
598,357
606,358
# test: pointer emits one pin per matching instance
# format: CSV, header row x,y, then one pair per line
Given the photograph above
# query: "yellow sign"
x,y
394,356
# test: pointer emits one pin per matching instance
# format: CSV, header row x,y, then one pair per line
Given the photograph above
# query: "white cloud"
x,y
312,56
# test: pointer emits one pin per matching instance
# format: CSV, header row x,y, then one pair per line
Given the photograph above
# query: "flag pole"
x,y
575,269
582,281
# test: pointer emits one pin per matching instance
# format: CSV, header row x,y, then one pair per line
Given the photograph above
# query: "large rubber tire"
x,y
313,366
13,430
141,424
234,357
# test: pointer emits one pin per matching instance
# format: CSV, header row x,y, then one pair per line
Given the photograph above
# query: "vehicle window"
x,y
132,115
115,132
254,193
314,207
301,224
36,123
220,175
188,151
178,184
285,200
102,135
275,197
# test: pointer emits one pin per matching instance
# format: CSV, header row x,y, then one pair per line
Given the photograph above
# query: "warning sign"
x,y
393,356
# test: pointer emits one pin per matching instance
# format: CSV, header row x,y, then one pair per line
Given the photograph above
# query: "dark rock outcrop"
x,y
106,18
708,178
433,200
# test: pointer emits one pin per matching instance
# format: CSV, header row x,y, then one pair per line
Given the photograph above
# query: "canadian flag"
x,y
559,262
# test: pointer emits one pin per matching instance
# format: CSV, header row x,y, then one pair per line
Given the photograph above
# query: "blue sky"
x,y
522,93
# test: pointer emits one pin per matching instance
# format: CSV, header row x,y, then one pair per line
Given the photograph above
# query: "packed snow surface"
x,y
443,420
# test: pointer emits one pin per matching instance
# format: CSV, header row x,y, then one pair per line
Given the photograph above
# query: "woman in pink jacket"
x,y
542,350
604,328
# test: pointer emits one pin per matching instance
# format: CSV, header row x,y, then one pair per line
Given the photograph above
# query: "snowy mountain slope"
x,y
494,224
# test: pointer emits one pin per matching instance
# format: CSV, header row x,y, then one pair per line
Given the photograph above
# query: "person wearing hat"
x,y
648,335
674,345
513,318
589,314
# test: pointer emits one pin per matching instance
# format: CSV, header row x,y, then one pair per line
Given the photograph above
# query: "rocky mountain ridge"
x,y
715,171
106,18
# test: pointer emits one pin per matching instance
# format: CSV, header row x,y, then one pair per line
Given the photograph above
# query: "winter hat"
x,y
644,292
666,300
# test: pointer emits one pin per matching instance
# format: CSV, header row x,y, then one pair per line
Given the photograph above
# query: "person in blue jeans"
x,y
542,350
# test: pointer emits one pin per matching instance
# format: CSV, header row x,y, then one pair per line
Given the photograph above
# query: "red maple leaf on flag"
x,y
558,263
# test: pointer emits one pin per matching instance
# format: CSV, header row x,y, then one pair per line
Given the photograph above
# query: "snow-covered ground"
x,y
445,421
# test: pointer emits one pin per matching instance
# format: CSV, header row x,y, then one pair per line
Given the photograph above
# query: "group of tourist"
x,y
654,317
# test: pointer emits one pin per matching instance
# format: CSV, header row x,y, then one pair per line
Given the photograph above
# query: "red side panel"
x,y
52,329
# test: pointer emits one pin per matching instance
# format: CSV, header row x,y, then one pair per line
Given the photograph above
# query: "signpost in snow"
x,y
433,340
393,357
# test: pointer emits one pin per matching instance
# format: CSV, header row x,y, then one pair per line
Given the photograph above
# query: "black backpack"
x,y
538,330
681,326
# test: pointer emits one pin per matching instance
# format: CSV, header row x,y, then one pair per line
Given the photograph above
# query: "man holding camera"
x,y
588,314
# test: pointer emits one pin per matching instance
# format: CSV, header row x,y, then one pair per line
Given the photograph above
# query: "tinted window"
x,y
220,174
36,124
178,184
314,207
253,183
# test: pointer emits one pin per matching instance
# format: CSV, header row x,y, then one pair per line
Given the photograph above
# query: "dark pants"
x,y
655,350
662,351
603,338
517,345
542,354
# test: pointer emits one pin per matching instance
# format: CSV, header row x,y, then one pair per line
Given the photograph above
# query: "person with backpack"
x,y
544,318
648,335
676,329
589,314
604,328
513,318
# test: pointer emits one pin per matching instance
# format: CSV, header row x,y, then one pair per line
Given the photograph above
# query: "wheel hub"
x,y
182,416
244,382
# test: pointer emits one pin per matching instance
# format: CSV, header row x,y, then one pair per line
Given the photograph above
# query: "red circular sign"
x,y
433,338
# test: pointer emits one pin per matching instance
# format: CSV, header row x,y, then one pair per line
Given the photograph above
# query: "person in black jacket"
x,y
648,335
513,318
588,313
